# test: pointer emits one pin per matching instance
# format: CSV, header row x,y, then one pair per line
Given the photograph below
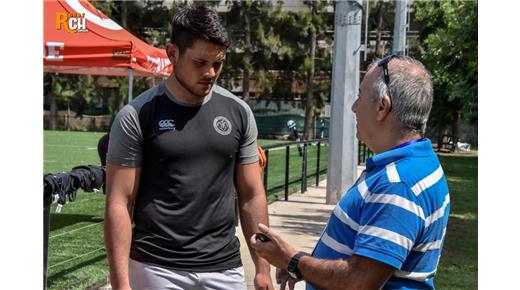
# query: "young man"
x,y
176,154
387,231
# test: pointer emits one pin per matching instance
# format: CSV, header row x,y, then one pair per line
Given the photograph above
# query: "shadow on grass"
x,y
461,238
458,266
51,280
61,220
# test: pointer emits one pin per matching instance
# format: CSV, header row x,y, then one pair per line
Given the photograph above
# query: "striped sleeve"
x,y
390,222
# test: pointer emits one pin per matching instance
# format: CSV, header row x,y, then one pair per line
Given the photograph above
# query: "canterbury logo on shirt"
x,y
167,124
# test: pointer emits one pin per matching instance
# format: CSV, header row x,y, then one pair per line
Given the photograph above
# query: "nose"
x,y
211,72
354,106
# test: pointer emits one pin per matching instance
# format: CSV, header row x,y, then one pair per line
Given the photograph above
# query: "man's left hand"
x,y
263,282
277,252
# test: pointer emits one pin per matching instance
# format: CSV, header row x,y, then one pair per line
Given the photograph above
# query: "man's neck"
x,y
180,92
392,142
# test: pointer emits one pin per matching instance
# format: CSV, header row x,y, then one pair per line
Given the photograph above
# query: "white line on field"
x,y
86,254
75,230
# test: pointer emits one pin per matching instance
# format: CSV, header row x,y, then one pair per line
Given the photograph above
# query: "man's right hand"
x,y
283,278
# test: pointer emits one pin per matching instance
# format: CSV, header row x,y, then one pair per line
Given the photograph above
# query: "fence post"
x,y
359,153
303,187
266,169
47,201
318,164
365,152
287,151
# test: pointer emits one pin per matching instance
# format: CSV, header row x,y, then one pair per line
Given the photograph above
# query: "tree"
x,y
255,42
303,32
57,87
381,10
450,39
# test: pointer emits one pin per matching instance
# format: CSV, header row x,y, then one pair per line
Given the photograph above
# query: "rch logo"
x,y
72,22
167,124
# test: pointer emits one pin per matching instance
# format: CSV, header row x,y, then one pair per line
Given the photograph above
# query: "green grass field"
x,y
76,254
458,268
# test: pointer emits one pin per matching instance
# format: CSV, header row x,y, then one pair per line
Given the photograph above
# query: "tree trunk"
x,y
379,51
308,131
455,125
247,58
54,112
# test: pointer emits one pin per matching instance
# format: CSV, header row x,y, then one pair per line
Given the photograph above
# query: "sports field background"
x,y
77,257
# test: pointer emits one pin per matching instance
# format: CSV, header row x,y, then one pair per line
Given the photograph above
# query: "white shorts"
x,y
143,276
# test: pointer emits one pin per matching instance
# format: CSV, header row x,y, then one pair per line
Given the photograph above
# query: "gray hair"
x,y
411,93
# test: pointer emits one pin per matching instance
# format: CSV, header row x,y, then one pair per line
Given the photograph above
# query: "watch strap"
x,y
293,264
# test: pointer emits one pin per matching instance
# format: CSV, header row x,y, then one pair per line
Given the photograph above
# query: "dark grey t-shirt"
x,y
184,209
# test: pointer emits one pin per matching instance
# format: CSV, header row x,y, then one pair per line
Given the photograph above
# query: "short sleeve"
x,y
125,145
247,151
390,222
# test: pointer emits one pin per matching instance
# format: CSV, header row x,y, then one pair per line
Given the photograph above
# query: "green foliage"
x,y
381,20
450,40
278,41
254,41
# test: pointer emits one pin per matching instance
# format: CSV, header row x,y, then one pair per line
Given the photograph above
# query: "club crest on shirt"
x,y
222,125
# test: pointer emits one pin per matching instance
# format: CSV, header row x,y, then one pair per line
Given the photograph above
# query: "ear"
x,y
172,51
383,108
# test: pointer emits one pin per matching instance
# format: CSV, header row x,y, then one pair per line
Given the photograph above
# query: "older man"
x,y
388,230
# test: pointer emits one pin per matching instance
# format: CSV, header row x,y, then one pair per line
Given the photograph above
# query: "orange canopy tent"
x,y
79,39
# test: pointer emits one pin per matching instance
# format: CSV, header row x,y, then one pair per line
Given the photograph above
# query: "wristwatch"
x,y
293,266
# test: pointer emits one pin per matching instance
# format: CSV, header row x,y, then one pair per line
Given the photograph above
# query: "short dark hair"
x,y
197,22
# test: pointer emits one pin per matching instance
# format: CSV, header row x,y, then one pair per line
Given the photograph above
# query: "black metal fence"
x,y
363,153
308,157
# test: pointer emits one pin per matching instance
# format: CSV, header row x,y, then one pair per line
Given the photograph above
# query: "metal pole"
x,y
305,166
399,43
46,222
318,165
130,84
287,151
302,185
342,164
359,153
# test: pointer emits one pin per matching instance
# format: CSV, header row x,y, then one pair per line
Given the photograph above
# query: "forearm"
x,y
327,274
355,273
253,210
118,236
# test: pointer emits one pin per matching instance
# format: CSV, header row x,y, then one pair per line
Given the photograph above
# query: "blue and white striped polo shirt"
x,y
396,213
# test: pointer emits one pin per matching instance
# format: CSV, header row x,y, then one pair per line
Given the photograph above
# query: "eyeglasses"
x,y
384,64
